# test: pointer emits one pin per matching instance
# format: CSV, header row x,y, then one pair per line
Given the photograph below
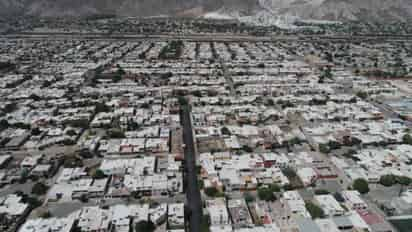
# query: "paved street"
x,y
192,190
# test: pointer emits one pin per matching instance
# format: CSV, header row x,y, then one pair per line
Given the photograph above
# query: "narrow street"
x,y
228,78
194,203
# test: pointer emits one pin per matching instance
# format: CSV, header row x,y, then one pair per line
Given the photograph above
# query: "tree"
x,y
4,124
314,210
274,188
289,172
34,97
72,162
246,148
266,194
46,214
362,95
404,180
145,226
182,100
321,192
32,201
116,134
84,198
205,224
99,174
270,102
200,184
197,93
35,131
39,188
225,131
387,180
248,197
324,148
71,133
101,107
407,139
213,192
333,145
361,185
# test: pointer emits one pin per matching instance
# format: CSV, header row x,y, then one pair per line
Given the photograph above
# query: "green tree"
x,y
115,134
213,192
182,100
324,148
71,133
204,225
35,97
362,95
321,192
39,188
101,107
248,197
266,194
289,172
403,180
225,131
361,185
4,124
145,226
246,148
84,198
333,145
197,93
99,174
46,214
32,201
387,180
35,131
407,139
314,210
275,188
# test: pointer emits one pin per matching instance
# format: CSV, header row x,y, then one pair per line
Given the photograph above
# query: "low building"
x,y
329,205
176,216
218,213
353,200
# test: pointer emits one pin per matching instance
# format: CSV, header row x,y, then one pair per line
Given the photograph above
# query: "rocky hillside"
x,y
307,9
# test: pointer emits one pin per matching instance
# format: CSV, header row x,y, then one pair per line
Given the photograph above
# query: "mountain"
x,y
339,10
342,10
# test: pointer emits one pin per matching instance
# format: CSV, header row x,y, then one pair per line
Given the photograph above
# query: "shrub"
x,y
145,226
361,185
39,188
314,210
266,194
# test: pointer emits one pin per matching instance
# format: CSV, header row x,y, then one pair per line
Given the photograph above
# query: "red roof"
x,y
370,217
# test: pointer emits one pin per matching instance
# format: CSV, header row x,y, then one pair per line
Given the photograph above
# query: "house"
x,y
329,205
48,225
327,225
239,213
353,200
120,220
42,170
294,202
4,160
217,212
307,175
94,219
30,161
176,216
158,214
307,225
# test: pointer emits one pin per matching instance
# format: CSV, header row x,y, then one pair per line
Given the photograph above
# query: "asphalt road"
x,y
206,37
192,189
